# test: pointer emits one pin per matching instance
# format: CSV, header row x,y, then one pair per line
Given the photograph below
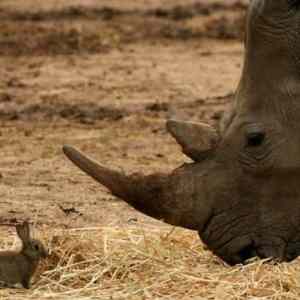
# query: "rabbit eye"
x,y
36,247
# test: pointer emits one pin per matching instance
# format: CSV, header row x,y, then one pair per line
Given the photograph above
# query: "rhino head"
x,y
242,192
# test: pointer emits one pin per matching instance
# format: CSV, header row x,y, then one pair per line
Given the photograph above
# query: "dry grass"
x,y
152,263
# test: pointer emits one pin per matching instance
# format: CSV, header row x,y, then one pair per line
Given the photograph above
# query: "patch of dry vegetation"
x,y
83,29
152,263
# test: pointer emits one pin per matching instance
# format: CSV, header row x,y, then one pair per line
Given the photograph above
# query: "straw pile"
x,y
150,263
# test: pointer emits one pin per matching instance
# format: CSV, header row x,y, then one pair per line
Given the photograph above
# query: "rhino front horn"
x,y
159,195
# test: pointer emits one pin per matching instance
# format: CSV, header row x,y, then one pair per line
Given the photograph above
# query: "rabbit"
x,y
19,266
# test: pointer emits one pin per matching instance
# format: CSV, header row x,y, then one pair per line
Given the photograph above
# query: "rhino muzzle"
x,y
242,191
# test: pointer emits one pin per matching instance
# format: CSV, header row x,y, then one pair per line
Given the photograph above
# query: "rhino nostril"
x,y
247,252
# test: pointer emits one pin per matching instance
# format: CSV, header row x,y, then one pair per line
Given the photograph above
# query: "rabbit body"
x,y
15,268
18,267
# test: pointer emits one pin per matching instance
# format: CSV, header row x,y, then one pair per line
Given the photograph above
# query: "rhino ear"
x,y
196,139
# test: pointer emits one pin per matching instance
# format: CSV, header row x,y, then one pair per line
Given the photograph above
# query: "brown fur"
x,y
19,266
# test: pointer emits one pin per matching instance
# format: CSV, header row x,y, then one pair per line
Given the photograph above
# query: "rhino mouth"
x,y
242,250
237,241
238,251
245,253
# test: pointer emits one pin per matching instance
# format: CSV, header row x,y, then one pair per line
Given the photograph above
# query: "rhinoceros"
x,y
241,193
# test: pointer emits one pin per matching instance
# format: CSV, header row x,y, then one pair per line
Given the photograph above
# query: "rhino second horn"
x,y
196,139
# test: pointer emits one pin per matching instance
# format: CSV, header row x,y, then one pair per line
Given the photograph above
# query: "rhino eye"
x,y
255,138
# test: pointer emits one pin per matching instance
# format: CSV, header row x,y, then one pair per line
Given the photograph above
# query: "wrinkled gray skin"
x,y
242,193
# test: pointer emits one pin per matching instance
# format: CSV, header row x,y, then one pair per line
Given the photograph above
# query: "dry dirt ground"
x,y
104,76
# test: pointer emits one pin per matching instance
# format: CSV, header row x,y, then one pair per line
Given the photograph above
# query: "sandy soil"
x,y
110,101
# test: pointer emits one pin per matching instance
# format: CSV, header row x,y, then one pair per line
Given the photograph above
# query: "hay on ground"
x,y
149,263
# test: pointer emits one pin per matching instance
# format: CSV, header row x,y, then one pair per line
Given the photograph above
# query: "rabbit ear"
x,y
23,231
